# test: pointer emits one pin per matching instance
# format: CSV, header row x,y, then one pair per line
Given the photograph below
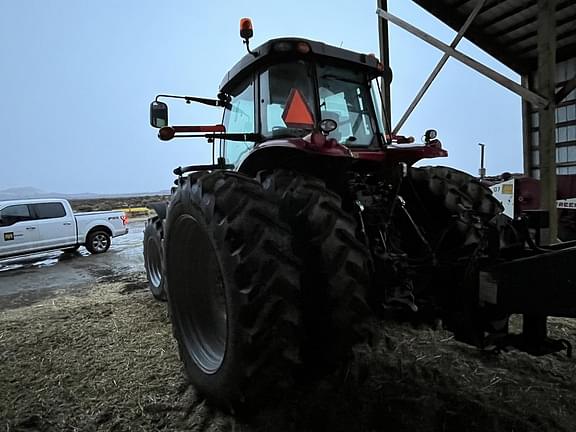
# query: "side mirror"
x,y
327,126
158,114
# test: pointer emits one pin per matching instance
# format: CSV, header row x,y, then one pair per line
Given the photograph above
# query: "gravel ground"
x,y
106,361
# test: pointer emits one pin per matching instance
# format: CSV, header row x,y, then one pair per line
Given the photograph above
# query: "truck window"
x,y
239,118
48,210
16,213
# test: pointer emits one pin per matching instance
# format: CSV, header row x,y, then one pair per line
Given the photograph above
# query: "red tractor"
x,y
313,220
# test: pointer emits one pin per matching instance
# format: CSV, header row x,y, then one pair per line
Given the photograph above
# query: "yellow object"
x,y
135,211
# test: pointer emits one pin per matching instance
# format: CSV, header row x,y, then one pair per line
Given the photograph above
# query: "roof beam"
x,y
533,34
531,20
509,14
533,97
564,91
533,47
449,15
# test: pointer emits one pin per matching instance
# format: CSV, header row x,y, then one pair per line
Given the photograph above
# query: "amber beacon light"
x,y
246,29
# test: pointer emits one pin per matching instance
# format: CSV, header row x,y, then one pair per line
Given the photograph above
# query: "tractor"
x,y
313,221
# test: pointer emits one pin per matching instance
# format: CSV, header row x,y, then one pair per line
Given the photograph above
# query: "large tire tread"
x,y
265,276
337,273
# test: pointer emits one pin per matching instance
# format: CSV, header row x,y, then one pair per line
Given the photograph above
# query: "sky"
x,y
77,78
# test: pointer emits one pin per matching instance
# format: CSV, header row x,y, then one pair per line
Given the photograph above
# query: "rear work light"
x,y
303,47
284,46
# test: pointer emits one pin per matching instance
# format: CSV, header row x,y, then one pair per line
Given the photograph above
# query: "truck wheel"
x,y
234,295
337,266
98,241
153,257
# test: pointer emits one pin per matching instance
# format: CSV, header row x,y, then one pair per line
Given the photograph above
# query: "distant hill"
x,y
31,192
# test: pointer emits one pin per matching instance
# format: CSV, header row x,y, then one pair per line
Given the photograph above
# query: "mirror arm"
x,y
189,99
213,136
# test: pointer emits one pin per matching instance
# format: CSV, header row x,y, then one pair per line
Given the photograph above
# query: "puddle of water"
x,y
129,245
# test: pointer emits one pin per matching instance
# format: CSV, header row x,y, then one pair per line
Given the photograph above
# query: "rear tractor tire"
x,y
337,267
462,222
154,257
455,209
234,294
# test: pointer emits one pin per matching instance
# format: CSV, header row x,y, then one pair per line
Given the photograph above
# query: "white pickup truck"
x,y
37,225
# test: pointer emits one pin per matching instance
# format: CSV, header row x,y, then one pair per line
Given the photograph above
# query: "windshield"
x,y
291,105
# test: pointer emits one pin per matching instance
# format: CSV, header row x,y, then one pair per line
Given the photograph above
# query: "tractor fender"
x,y
293,157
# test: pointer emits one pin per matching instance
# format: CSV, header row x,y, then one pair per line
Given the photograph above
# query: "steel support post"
x,y
527,125
547,136
385,59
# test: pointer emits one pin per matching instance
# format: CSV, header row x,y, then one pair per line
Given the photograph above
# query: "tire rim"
x,y
154,263
197,294
100,242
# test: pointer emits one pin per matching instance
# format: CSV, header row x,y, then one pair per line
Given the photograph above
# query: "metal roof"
x,y
507,29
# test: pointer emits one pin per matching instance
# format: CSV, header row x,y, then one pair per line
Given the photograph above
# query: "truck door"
x,y
56,228
18,230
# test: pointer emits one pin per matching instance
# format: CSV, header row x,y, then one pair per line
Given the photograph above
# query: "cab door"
x,y
55,228
18,230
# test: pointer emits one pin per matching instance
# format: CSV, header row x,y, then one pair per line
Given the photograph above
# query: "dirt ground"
x,y
105,360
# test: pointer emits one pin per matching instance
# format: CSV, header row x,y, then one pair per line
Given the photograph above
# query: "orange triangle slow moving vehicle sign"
x,y
296,113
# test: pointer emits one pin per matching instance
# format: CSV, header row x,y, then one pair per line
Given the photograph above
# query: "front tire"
x,y
234,295
98,242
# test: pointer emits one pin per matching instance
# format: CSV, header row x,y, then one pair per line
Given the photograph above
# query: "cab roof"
x,y
269,53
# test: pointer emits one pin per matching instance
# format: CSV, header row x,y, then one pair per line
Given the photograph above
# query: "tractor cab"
x,y
291,88
302,95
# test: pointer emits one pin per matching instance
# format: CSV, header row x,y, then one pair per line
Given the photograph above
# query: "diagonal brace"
x,y
529,95
439,66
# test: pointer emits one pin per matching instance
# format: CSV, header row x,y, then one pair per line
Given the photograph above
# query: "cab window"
x,y
278,86
13,214
345,98
239,118
49,210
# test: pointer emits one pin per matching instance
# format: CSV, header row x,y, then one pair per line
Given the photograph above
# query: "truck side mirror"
x,y
158,114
